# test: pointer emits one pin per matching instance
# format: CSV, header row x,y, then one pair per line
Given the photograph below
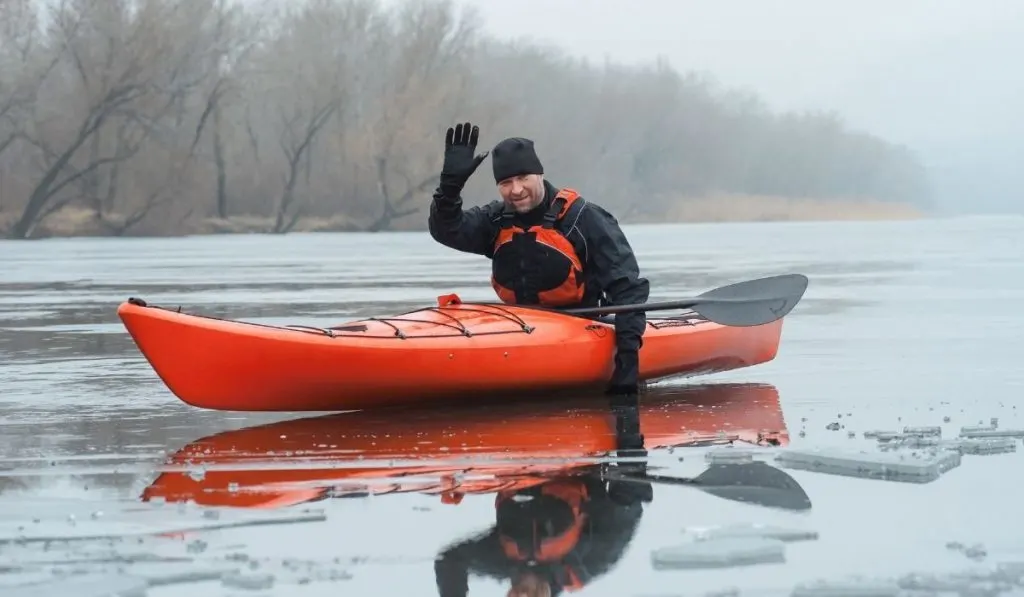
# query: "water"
x,y
904,324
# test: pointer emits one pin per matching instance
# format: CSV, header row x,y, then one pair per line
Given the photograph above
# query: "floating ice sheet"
x,y
71,521
908,432
915,467
48,571
729,455
720,553
82,586
751,530
850,588
1004,580
963,446
991,432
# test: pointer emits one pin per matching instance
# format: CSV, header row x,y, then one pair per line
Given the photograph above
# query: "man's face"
x,y
523,192
529,585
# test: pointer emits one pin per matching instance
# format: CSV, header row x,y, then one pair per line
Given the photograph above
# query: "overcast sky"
x,y
945,77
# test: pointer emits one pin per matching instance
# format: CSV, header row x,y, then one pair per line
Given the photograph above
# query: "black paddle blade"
x,y
754,483
752,302
749,303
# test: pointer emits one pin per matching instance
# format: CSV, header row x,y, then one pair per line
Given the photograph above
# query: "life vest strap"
x,y
560,205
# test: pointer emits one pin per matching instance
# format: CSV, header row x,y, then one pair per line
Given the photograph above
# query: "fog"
x,y
144,117
944,77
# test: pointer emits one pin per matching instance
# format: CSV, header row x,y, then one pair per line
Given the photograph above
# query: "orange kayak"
x,y
459,352
451,452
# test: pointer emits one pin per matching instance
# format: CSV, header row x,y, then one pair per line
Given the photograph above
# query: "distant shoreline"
x,y
751,208
78,222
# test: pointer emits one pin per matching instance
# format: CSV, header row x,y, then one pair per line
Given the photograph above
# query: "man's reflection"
x,y
558,535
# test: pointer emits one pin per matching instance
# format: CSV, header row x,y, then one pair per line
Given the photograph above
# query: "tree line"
x,y
165,116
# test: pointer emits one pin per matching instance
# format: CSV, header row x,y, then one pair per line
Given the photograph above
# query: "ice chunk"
x,y
850,588
134,522
251,582
725,455
83,586
754,530
915,467
983,446
720,553
989,432
963,446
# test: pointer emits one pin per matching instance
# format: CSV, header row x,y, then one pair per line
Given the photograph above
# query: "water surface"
x,y
908,323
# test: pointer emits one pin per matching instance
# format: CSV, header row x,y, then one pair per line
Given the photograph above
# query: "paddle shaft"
x,y
649,478
749,303
660,306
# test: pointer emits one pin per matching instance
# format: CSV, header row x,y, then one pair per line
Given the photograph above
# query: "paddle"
x,y
749,303
749,482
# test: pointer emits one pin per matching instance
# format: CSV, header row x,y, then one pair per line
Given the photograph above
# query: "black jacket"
x,y
610,269
614,512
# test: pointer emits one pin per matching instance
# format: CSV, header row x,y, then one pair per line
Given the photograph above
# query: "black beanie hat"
x,y
515,156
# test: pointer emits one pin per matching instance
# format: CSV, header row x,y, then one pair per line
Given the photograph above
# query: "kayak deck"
x,y
452,351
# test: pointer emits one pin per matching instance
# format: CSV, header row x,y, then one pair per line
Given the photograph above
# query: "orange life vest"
x,y
548,530
538,265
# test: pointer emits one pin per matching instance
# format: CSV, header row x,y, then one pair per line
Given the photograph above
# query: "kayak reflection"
x,y
455,452
570,478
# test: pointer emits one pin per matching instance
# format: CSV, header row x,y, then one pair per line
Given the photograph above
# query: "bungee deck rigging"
x,y
360,327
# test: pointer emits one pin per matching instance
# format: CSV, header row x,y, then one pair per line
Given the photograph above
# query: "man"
x,y
551,538
548,246
562,533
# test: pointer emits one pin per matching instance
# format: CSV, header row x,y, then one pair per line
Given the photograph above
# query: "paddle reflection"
x,y
548,538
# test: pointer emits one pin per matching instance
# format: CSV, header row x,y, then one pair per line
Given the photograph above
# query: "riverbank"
x,y
79,222
757,208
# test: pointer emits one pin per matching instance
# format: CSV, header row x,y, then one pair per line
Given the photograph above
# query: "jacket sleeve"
x,y
471,230
479,554
615,519
451,570
614,268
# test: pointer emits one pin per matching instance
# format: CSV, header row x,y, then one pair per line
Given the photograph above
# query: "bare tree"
x,y
131,67
237,33
162,116
423,55
301,85
25,63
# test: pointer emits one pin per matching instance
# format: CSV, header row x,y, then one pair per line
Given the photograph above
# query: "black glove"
x,y
459,162
625,378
